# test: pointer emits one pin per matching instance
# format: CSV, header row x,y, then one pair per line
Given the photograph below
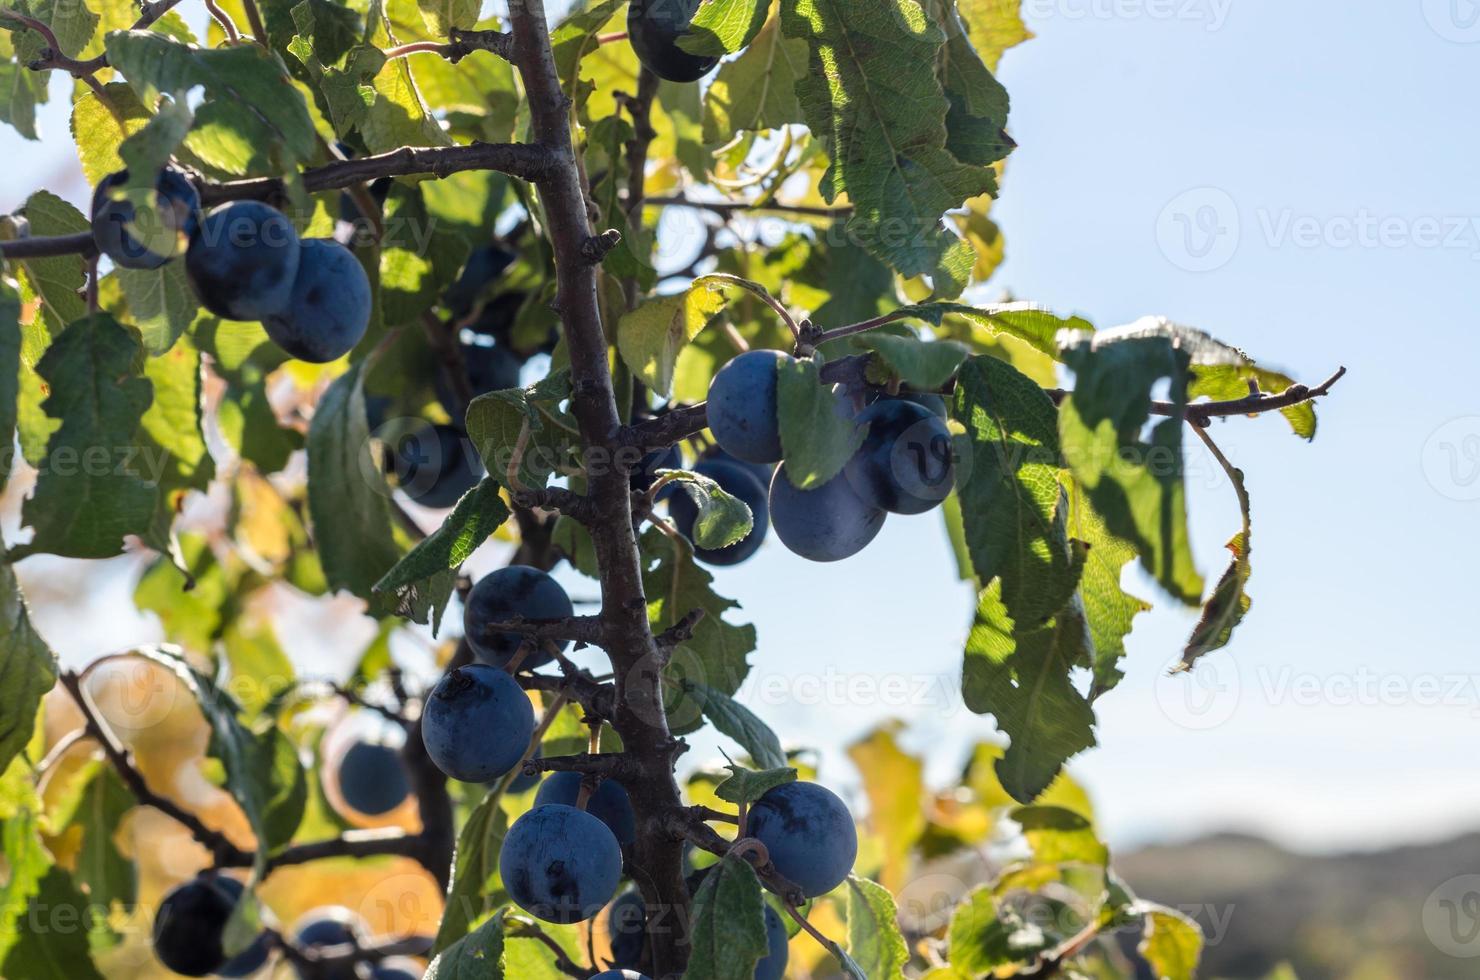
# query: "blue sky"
x,y
1302,180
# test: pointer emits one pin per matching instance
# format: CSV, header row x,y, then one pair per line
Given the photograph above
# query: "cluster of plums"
x,y
244,260
190,926
903,467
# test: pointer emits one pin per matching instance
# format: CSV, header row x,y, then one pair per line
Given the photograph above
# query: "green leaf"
x,y
91,493
248,76
722,27
442,16
874,940
44,952
1010,499
107,875
419,256
161,303
723,519
72,23
1109,610
477,515
474,887
1022,676
977,119
748,785
715,655
651,336
1058,835
729,928
575,37
10,373
756,91
1137,486
58,279
979,941
872,95
818,433
1171,942
26,861
1225,608
994,26
174,420
732,718
348,499
497,420
924,366
1033,325
478,956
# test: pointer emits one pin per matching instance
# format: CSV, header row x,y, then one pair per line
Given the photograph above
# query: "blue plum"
x,y
610,803
436,464
904,465
397,968
477,723
484,266
242,261
190,926
503,595
738,481
742,406
149,242
372,779
773,965
809,834
619,975
829,523
331,930
329,309
762,471
560,864
626,925
654,27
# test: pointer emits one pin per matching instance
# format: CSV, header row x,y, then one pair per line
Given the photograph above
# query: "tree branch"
x,y
523,160
577,629
606,765
681,423
459,45
221,847
50,245
729,209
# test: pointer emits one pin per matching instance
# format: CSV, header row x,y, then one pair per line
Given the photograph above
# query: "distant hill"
x,y
1358,916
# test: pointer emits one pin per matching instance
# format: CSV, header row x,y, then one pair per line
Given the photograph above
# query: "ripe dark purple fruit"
x,y
484,266
328,311
332,929
610,803
646,471
144,241
829,523
809,834
397,968
560,864
242,261
773,965
904,465
477,723
506,594
436,464
742,406
738,481
619,975
191,922
654,27
372,779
